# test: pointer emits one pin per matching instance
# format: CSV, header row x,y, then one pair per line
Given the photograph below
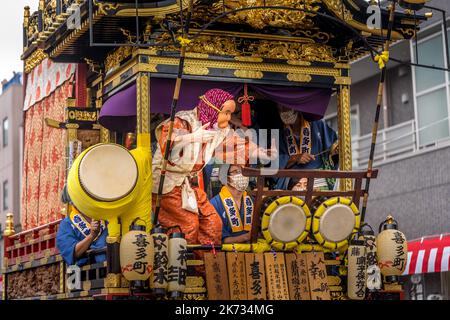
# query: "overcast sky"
x,y
11,19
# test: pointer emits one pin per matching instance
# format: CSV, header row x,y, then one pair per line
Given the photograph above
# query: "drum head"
x,y
287,222
337,223
108,172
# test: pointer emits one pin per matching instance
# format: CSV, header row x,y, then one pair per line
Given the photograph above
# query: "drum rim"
x,y
321,239
266,219
89,193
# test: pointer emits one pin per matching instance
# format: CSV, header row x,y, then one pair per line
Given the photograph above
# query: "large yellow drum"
x,y
107,172
286,222
107,181
334,221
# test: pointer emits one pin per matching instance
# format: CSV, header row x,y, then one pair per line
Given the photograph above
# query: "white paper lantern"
x,y
136,256
392,250
357,270
158,282
373,271
176,276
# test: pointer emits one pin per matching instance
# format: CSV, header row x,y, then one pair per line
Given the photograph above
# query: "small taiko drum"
x,y
107,172
334,221
286,222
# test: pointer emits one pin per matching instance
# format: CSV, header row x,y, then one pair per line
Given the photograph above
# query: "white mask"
x,y
289,117
239,182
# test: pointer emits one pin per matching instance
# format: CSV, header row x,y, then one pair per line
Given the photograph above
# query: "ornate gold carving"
x,y
143,104
196,70
343,80
257,49
249,74
112,280
105,138
341,11
196,55
260,19
345,141
34,60
115,58
106,8
9,225
195,263
299,77
248,59
299,63
192,282
195,290
292,51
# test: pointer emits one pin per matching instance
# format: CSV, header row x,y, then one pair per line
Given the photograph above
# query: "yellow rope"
x,y
183,41
382,59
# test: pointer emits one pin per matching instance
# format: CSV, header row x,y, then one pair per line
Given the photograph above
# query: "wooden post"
x,y
143,110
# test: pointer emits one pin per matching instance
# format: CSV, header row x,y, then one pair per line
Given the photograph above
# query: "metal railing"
x,y
393,143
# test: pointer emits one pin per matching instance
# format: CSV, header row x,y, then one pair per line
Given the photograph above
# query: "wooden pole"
x,y
377,113
176,95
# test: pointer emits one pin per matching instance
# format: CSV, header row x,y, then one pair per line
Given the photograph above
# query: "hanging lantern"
x,y
136,255
177,272
158,282
357,270
392,250
373,271
246,108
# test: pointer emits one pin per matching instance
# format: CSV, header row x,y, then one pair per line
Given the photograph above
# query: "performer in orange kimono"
x,y
196,137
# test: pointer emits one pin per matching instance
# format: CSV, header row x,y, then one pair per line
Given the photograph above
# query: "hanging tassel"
x,y
246,108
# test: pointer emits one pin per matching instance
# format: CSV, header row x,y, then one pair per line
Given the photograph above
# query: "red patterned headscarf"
x,y
210,104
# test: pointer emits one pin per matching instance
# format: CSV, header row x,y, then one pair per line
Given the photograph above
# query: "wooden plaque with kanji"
x,y
256,276
236,275
277,285
216,276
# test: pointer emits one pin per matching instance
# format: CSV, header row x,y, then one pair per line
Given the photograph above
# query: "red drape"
x,y
44,160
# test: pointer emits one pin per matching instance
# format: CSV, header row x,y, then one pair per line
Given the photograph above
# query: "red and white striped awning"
x,y
428,254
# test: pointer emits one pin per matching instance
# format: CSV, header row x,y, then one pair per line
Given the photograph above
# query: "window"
x,y
431,89
5,195
5,127
332,121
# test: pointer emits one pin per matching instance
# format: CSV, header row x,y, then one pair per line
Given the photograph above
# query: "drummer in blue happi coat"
x,y
77,234
234,205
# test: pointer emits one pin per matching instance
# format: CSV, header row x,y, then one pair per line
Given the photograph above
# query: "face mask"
x,y
288,117
239,182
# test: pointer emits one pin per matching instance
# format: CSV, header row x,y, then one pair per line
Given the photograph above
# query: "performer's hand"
x,y
200,135
95,228
305,158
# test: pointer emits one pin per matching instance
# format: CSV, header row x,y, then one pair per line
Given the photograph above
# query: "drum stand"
x,y
309,194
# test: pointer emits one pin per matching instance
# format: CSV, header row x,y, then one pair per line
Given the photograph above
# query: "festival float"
x,y
102,75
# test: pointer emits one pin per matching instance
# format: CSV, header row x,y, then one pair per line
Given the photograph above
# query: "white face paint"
x,y
289,117
239,182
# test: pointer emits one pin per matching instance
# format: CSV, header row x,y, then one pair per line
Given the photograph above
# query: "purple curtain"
x,y
119,112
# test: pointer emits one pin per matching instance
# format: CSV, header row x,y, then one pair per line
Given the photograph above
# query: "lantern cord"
x,y
377,112
176,93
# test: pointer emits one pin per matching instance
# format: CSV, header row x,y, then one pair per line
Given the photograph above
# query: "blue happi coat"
x,y
67,238
322,138
226,226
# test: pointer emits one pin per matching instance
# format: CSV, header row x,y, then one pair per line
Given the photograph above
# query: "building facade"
x,y
413,146
11,132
